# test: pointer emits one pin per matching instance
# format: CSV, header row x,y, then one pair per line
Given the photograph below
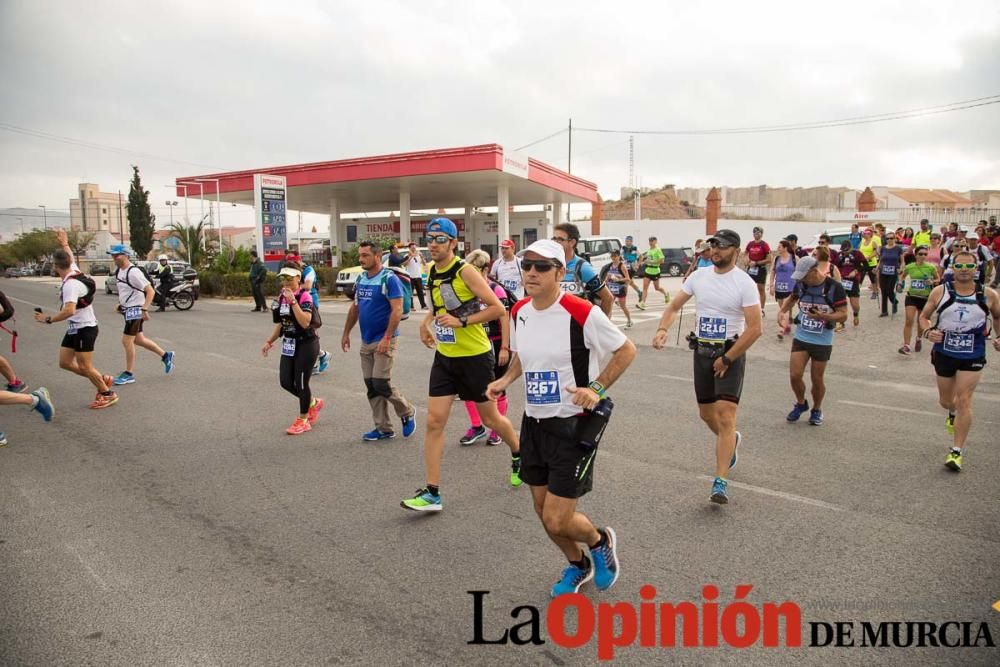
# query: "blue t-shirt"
x,y
811,329
588,275
855,239
314,292
374,308
892,257
703,262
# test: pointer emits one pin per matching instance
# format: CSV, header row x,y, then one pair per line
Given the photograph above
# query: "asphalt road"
x,y
182,527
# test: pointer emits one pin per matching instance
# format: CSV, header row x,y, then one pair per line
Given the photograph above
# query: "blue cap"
x,y
120,249
442,226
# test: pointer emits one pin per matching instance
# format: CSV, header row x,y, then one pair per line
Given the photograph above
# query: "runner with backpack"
x,y
617,277
581,277
295,323
76,296
135,295
822,303
498,331
14,383
378,306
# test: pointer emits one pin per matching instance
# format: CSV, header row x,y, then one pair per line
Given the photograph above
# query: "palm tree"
x,y
190,237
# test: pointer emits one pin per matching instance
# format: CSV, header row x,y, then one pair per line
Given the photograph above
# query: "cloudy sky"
x,y
190,87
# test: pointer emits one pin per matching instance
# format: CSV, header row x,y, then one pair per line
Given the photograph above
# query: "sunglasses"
x,y
439,239
921,254
286,277
720,244
539,265
560,239
958,265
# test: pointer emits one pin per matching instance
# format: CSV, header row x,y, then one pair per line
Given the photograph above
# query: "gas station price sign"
x,y
270,203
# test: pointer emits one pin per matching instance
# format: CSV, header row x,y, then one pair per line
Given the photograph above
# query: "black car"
x,y
100,270
675,261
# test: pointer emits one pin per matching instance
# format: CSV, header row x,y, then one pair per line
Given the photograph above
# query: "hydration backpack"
x,y
594,298
91,286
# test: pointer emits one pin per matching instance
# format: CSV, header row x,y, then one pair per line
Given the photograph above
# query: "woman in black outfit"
x,y
292,312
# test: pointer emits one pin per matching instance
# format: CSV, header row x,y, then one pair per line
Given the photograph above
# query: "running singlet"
x,y
616,288
869,250
921,278
783,282
855,239
630,254
922,238
509,275
291,330
590,279
757,251
654,258
964,324
456,341
813,329
850,264
373,294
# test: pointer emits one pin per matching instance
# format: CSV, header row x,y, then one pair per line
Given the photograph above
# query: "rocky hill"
x,y
656,205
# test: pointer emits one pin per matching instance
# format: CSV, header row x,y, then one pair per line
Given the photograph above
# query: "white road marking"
x,y
90,570
677,377
30,303
781,494
887,407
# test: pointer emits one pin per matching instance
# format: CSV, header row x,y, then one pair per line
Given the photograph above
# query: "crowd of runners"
x,y
540,318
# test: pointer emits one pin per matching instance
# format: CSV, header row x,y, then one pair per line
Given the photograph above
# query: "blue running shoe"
x,y
572,578
736,451
409,425
168,361
605,559
375,434
719,494
17,386
124,378
797,411
816,417
324,362
44,406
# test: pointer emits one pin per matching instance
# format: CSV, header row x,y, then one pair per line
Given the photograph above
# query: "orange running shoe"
x,y
104,401
108,380
299,426
318,404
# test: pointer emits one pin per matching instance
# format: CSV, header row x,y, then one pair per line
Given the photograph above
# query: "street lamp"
x,y
45,217
187,220
171,204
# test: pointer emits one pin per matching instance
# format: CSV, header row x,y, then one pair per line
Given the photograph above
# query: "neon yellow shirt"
x,y
457,341
869,250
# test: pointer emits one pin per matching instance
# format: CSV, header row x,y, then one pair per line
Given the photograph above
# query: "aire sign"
x,y
515,164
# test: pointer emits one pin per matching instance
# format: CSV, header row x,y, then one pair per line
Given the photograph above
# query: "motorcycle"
x,y
181,296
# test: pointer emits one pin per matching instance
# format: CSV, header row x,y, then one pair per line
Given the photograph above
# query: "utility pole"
x,y
121,225
631,177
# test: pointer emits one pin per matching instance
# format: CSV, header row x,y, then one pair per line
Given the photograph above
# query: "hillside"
x,y
657,205
11,219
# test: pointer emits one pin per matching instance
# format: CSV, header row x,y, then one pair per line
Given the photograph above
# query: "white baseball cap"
x,y
548,249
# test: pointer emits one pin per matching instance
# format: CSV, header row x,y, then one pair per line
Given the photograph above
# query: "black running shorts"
x,y
815,352
465,376
946,366
917,302
81,341
760,277
132,327
552,457
709,389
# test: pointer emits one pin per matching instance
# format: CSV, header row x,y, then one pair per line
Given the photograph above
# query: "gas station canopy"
x,y
447,178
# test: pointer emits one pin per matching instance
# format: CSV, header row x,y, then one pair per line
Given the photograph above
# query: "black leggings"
x,y
887,285
296,371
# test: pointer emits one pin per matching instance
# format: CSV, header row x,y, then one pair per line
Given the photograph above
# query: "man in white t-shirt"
x,y
728,322
507,269
568,353
76,294
135,294
416,267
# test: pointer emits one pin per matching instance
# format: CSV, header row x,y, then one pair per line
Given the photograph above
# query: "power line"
x,y
538,141
840,122
38,134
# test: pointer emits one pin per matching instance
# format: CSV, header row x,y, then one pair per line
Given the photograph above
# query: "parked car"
x,y
597,249
12,272
44,269
100,270
26,271
676,261
182,270
347,277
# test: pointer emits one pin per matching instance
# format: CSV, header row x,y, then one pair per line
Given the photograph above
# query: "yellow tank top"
x,y
457,341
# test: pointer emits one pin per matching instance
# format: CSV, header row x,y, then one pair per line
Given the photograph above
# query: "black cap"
x,y
725,237
792,237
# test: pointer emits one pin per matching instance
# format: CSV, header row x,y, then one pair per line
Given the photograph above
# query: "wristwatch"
x,y
597,388
726,361
48,319
464,319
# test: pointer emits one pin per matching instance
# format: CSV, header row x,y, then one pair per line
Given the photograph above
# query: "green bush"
x,y
240,263
224,285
